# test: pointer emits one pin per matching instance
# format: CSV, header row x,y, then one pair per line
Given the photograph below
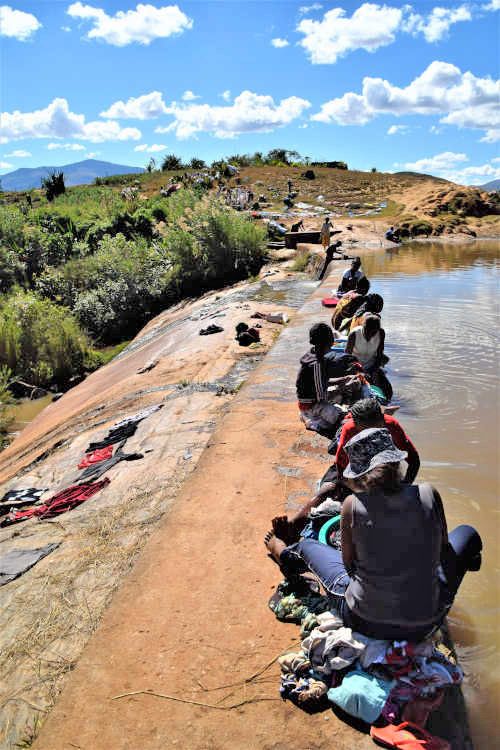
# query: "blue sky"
x,y
390,85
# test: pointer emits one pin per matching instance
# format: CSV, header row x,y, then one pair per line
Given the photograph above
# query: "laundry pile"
x,y
21,504
367,678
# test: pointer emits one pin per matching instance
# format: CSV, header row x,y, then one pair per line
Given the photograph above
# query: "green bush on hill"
x,y
41,341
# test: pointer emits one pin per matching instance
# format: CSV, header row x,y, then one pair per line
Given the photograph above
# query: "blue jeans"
x,y
463,553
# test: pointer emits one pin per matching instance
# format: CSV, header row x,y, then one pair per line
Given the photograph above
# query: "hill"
x,y
78,173
493,185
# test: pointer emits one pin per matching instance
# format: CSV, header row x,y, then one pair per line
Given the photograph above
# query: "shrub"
x,y
54,185
170,162
11,268
5,401
197,163
40,341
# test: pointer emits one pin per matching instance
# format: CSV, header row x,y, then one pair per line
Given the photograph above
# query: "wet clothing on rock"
x,y
115,435
60,503
139,416
20,498
16,562
211,329
91,473
96,457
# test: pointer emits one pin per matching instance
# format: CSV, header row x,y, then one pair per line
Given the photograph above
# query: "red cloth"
x,y
61,502
349,429
100,454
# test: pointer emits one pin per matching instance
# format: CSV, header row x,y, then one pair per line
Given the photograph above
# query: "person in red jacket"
x,y
365,414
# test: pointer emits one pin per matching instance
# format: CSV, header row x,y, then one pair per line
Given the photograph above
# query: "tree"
x,y
54,185
374,169
170,162
151,165
196,163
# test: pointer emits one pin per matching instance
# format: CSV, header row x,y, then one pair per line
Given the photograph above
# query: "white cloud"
x,y
462,99
17,24
435,129
370,27
492,135
142,25
67,29
189,96
249,113
18,154
226,95
438,163
305,9
492,5
5,165
92,154
145,107
153,149
279,43
447,165
57,121
437,23
66,146
395,129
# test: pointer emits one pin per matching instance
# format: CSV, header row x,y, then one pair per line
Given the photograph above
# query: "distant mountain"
x,y
493,185
79,173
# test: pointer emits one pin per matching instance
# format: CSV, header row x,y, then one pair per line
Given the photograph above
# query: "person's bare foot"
x,y
274,545
281,527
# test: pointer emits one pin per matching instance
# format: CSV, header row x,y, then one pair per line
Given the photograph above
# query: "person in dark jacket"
x,y
316,368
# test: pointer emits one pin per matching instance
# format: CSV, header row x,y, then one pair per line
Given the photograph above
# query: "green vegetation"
x,y
301,261
54,185
89,268
5,400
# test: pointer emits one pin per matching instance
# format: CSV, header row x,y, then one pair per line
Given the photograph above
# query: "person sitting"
x,y
297,226
245,335
373,303
316,367
350,278
349,303
398,571
366,414
393,235
366,344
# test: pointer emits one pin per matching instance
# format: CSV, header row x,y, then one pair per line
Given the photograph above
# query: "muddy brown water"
x,y
441,323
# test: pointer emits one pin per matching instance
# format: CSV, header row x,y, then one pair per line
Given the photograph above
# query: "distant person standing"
x,y
325,232
290,186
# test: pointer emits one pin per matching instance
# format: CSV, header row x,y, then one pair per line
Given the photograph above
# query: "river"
x,y
441,323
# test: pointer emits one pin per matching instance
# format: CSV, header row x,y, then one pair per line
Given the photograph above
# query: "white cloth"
x,y
139,416
330,648
365,350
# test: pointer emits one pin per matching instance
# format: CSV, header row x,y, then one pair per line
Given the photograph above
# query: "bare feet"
x,y
281,527
274,545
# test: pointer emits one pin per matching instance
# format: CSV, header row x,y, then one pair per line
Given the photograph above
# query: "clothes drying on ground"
x,y
16,562
101,454
211,329
136,418
115,435
330,647
362,695
19,498
60,503
97,470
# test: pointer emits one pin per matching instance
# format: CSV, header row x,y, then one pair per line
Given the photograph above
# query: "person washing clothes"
x,y
350,278
366,344
399,571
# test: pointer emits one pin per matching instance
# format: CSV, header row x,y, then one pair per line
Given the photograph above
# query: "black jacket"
x,y
315,372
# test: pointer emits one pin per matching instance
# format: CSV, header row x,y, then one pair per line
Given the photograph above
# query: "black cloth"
x,y
20,498
91,473
115,435
210,329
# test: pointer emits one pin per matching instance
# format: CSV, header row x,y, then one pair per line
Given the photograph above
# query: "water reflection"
x,y
441,322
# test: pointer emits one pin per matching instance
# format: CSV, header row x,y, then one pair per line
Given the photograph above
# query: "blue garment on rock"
x,y
361,695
